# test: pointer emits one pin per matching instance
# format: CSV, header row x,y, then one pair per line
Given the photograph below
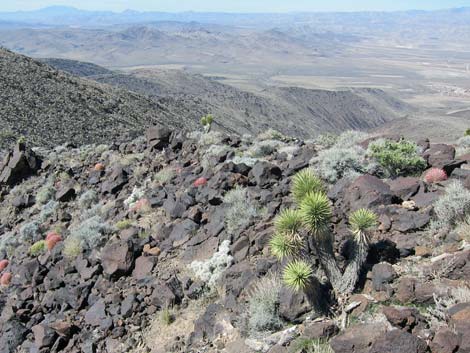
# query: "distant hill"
x,y
295,111
52,107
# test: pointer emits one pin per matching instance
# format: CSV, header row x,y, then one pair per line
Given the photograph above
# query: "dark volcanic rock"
x,y
397,341
117,258
19,164
265,173
357,339
158,137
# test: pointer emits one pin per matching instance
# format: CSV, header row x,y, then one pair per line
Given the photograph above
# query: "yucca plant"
x,y
305,182
310,223
297,274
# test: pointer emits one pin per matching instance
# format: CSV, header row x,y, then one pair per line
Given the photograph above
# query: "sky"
x,y
237,5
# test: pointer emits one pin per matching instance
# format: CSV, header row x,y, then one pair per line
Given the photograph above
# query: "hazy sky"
x,y
237,5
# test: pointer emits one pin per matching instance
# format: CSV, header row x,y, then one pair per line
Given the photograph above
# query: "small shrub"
x,y
435,175
209,271
326,140
48,210
463,145
249,161
453,207
72,247
46,193
350,138
124,224
467,132
340,162
263,305
264,148
91,232
397,158
87,199
167,317
308,345
164,176
38,248
240,210
29,232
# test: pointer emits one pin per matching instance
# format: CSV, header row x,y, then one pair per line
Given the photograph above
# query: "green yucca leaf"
x,y
288,221
315,211
296,275
362,220
305,182
285,245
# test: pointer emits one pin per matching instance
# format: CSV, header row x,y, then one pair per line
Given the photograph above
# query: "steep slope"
x,y
171,252
52,107
295,111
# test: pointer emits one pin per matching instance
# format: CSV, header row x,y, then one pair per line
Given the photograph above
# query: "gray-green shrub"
x,y
240,211
453,207
263,305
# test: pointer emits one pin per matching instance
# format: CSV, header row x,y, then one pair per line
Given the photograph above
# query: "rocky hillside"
x,y
170,243
191,96
52,107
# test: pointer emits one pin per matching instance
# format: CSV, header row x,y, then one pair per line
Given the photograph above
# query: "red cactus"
x,y
52,239
3,264
435,175
143,205
99,167
5,279
200,182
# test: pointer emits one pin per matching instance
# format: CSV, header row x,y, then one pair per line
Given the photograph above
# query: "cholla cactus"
x,y
435,175
309,223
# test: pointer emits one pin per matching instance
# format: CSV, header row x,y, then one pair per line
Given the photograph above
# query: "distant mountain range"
x,y
69,16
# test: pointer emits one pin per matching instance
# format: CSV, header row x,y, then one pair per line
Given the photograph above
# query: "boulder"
x,y
460,323
18,165
382,274
440,155
44,336
265,173
398,341
357,339
368,191
116,178
158,137
320,330
404,187
117,258
143,266
445,341
405,318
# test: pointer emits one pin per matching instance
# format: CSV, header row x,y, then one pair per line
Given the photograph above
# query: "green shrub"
x,y
397,158
263,305
123,224
38,248
167,317
467,132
